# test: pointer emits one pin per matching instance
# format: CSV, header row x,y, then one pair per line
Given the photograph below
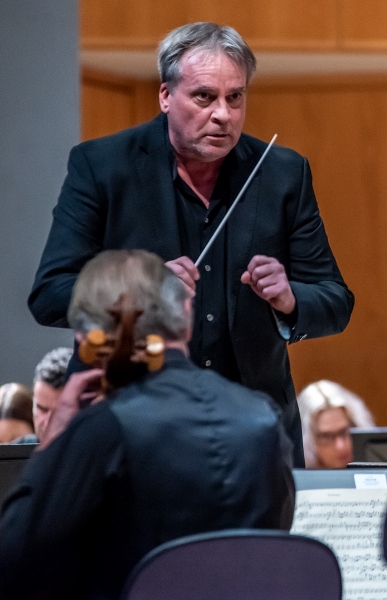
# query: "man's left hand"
x,y
268,279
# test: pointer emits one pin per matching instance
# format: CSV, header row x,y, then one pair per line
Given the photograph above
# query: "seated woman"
x,y
15,412
328,411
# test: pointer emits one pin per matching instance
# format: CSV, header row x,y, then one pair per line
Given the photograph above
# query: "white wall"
x,y
39,122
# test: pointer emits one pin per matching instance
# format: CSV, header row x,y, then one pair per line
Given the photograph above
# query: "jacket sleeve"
x,y
76,235
286,491
324,302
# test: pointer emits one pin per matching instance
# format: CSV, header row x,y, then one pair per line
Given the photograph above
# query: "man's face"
x,y
206,109
45,399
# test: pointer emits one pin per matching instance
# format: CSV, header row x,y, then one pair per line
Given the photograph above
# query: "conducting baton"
x,y
233,205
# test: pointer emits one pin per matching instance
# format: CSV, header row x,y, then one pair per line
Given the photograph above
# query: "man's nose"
x,y
221,110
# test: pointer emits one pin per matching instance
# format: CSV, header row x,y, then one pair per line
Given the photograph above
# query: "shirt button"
x,y
206,220
210,317
208,363
300,337
207,268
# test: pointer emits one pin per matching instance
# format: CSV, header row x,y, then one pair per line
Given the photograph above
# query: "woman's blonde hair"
x,y
322,395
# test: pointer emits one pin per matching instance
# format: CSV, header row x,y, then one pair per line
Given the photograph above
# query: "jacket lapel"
x,y
241,224
158,195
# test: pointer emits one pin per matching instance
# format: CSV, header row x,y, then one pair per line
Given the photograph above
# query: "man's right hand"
x,y
186,270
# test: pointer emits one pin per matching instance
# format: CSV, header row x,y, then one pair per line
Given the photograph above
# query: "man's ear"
x,y
164,98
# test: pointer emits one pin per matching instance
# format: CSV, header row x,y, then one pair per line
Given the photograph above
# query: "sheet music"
x,y
350,521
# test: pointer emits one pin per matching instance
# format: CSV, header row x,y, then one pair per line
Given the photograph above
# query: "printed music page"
x,y
350,521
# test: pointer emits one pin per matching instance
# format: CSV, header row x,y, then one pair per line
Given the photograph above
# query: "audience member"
x,y
328,411
173,452
15,412
49,380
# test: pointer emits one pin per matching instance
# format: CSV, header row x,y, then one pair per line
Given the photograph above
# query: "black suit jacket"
x,y
119,194
183,451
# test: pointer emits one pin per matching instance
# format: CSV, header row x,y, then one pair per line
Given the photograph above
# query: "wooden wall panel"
x,y
276,24
111,103
129,23
363,25
341,126
105,109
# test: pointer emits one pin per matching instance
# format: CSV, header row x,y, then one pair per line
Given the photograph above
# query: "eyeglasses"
x,y
327,438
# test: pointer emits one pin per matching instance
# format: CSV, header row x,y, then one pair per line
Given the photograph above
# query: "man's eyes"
x,y
204,96
207,97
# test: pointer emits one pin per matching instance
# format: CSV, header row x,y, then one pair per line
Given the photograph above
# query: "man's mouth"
x,y
219,136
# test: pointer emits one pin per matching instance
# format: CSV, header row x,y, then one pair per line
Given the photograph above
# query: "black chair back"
x,y
237,565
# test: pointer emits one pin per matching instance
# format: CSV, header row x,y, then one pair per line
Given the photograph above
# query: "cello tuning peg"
x,y
154,350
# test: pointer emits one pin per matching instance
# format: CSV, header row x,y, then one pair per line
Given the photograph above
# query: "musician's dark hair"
x,y
145,280
202,36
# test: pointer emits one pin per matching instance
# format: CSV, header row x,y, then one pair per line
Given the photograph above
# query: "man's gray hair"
x,y
149,285
202,36
322,395
52,368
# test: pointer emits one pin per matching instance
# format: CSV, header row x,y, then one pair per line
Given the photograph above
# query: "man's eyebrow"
x,y
211,90
242,88
204,88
